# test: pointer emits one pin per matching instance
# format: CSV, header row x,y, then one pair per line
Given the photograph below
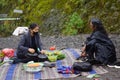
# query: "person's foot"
x,y
115,65
111,65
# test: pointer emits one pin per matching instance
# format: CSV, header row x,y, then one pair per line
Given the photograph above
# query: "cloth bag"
x,y
82,66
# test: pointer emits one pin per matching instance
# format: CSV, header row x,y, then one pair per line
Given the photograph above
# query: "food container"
x,y
33,67
52,58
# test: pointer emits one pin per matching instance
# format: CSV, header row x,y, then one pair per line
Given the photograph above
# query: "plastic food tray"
x,y
33,69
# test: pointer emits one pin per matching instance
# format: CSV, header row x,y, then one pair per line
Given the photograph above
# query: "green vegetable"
x,y
60,56
52,58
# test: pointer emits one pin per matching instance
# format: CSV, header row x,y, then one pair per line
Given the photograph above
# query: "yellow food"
x,y
33,65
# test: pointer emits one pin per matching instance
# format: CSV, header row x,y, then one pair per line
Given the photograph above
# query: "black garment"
x,y
34,46
28,42
25,60
100,48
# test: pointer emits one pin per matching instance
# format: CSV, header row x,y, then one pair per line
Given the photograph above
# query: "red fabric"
x,y
9,52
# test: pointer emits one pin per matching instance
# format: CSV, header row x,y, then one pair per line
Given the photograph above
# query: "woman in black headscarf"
x,y
98,47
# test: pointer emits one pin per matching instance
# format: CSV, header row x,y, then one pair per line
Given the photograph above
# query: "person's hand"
x,y
83,54
83,48
42,51
83,51
31,50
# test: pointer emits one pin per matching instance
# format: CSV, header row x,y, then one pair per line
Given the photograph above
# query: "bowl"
x,y
33,67
52,58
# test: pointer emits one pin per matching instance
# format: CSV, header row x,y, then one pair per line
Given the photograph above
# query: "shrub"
x,y
73,25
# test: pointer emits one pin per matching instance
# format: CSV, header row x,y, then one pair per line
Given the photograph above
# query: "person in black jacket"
x,y
30,45
98,47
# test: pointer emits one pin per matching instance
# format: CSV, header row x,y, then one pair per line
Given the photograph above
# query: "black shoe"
x,y
115,65
111,65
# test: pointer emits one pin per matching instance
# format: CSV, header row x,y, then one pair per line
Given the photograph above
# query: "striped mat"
x,y
16,72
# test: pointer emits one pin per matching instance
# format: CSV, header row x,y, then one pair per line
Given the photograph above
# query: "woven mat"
x,y
16,72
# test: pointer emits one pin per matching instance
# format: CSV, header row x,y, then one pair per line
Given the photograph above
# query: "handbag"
x,y
82,66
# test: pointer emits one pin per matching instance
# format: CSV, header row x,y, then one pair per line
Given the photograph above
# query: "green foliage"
x,y
6,29
73,25
39,11
33,10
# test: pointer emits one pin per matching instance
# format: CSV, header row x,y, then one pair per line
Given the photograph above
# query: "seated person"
x,y
98,47
30,46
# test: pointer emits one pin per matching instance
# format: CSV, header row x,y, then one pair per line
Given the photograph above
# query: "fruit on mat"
x,y
52,48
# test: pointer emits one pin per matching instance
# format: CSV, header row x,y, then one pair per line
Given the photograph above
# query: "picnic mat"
x,y
16,72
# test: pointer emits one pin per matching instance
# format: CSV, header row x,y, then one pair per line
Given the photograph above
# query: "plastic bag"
x,y
1,56
9,52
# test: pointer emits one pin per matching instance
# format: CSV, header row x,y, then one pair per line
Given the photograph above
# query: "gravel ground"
x,y
69,42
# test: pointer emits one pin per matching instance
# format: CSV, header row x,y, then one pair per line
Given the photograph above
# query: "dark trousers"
x,y
28,57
